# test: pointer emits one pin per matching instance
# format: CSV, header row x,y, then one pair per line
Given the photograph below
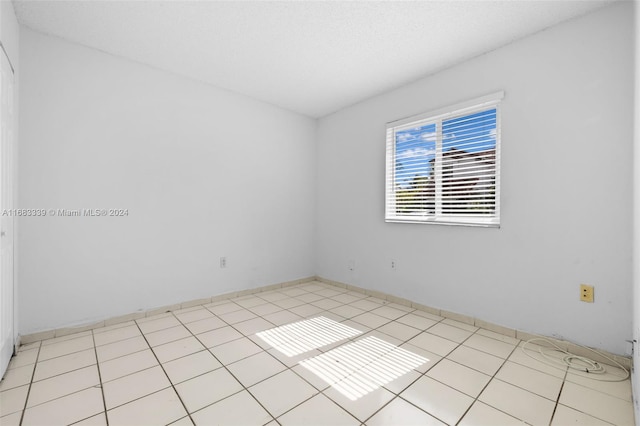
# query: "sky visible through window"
x,y
416,147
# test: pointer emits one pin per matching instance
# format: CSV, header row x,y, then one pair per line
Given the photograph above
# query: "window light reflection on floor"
x,y
357,368
302,336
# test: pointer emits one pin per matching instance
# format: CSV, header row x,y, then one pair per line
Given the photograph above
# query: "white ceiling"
x,y
310,57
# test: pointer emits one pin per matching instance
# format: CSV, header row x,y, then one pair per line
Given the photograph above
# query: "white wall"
x,y
9,31
204,173
636,224
566,189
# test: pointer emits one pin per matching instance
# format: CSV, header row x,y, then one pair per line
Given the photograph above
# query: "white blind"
x,y
444,167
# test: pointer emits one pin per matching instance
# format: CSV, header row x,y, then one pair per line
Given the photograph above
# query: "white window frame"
x,y
438,116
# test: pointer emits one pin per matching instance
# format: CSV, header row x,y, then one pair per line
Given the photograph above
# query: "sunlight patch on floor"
x,y
302,336
357,368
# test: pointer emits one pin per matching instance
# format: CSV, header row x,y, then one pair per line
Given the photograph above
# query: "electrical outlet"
x,y
223,262
394,265
351,265
586,293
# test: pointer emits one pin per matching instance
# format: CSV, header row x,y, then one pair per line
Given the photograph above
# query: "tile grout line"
x,y
104,402
477,398
166,375
33,374
318,392
244,388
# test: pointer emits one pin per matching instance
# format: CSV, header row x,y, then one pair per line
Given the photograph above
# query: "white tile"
x,y
125,365
134,386
311,378
190,366
11,419
331,292
597,404
97,420
288,303
65,348
177,349
346,298
116,335
450,332
442,402
464,379
235,350
272,296
619,389
481,414
533,359
207,324
460,324
13,400
255,368
237,316
399,331
252,326
311,297
282,317
16,377
113,327
219,336
489,345
66,337
29,346
167,335
121,348
365,304
363,407
478,360
431,358
518,403
240,409
401,383
388,312
532,380
568,416
162,407
66,410
433,343
318,411
308,310
225,308
326,304
293,292
370,320
208,388
265,309
63,384
417,321
400,412
194,315
250,302
425,314
158,324
185,421
64,364
498,336
270,392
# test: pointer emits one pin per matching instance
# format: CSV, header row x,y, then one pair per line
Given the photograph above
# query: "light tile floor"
x,y
205,365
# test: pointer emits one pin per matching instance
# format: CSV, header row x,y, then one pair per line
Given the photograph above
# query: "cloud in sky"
x,y
419,152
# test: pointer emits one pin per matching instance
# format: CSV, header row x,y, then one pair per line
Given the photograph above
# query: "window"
x,y
444,166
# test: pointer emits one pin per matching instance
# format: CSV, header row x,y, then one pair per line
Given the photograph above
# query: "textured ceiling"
x,y
310,57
